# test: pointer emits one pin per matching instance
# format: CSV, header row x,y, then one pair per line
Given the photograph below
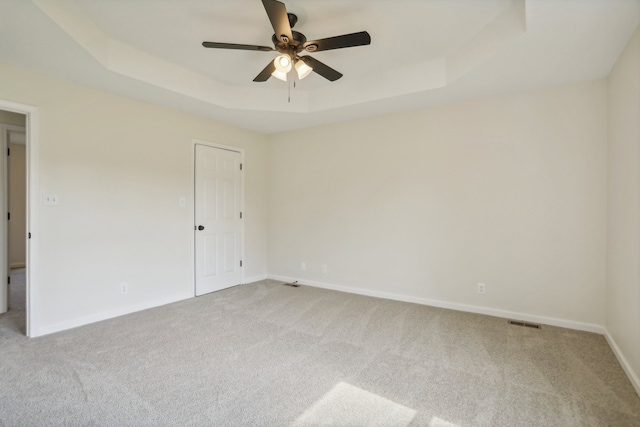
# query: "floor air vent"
x,y
525,324
292,284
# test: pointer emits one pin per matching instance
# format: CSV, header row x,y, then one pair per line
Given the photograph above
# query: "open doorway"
x,y
14,178
19,124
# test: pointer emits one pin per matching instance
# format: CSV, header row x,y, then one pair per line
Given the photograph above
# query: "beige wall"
x,y
623,262
510,192
17,206
119,167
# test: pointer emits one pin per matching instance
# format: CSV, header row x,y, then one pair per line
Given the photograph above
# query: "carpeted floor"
x,y
266,354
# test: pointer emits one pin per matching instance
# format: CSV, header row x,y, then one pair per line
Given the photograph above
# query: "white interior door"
x,y
218,219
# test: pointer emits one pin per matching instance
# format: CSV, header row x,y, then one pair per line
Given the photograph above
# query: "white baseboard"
x,y
563,323
633,376
255,278
74,323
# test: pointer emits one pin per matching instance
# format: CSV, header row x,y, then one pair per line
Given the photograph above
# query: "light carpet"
x,y
265,354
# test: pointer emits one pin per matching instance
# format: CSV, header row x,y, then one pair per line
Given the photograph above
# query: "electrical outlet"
x,y
324,269
303,266
481,288
124,288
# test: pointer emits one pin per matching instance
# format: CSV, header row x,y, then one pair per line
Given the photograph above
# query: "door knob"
x,y
201,227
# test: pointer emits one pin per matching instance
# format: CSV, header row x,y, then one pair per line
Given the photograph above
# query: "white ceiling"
x,y
423,52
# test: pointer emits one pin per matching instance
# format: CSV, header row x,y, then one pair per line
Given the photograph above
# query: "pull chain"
x,y
294,86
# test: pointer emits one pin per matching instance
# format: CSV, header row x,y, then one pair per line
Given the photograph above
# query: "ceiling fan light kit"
x,y
291,43
302,69
283,65
279,75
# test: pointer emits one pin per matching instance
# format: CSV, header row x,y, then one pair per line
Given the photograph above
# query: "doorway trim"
x,y
32,211
192,206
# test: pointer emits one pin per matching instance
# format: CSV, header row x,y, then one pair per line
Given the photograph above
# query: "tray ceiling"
x,y
423,53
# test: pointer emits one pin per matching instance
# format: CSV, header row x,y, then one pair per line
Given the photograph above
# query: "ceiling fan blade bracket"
x,y
277,13
295,44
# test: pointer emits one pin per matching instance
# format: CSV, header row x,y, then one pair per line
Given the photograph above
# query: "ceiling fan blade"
x,y
322,69
277,13
236,46
266,73
338,42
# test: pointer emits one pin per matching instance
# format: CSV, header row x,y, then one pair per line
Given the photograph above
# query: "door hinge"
x,y
240,166
29,235
8,151
8,216
240,263
240,215
8,280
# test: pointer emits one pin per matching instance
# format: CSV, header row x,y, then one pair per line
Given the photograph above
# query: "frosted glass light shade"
x,y
302,69
283,66
279,75
283,63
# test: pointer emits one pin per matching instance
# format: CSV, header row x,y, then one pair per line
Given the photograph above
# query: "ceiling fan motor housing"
x,y
288,46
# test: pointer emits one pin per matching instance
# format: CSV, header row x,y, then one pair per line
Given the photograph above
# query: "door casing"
x,y
192,212
32,212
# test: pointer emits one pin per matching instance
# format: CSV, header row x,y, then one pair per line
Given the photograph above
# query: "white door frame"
x,y
32,223
192,212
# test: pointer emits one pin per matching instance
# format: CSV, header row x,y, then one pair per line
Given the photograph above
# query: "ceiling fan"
x,y
291,43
